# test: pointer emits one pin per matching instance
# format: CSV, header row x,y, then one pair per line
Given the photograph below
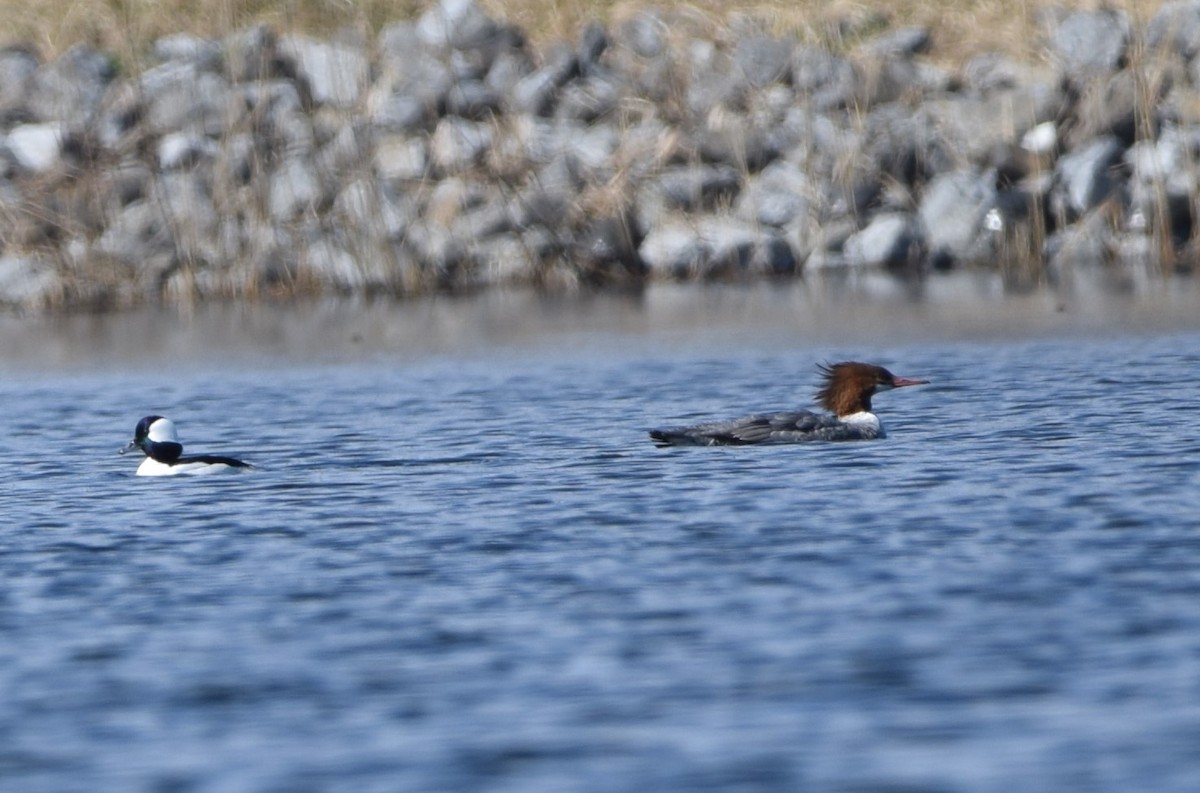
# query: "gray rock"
x,y
589,99
536,93
347,151
362,205
472,99
456,24
699,187
400,158
952,211
606,250
503,261
1089,44
1162,186
1111,106
674,250
1175,30
179,96
718,246
645,34
266,103
816,141
204,53
410,71
399,45
762,60
737,248
773,255
184,149
904,144
775,197
1083,245
965,125
251,55
482,222
295,190
28,281
438,253
1087,177
714,89
70,87
551,195
330,263
17,66
125,183
900,80
398,112
825,80
185,199
740,145
892,239
593,41
458,144
588,152
902,43
334,73
239,162
508,69
139,238
851,197
451,198
994,71
730,245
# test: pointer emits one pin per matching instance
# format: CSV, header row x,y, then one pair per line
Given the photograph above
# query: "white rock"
x,y
37,147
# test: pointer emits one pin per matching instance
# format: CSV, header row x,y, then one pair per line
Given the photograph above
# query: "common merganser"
x,y
846,393
156,437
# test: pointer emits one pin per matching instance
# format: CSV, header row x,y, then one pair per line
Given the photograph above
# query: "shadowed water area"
x,y
462,565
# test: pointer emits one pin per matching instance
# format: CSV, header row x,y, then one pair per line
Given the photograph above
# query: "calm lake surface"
x,y
461,564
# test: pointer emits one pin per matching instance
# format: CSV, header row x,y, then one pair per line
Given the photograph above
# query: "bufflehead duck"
x,y
846,393
156,437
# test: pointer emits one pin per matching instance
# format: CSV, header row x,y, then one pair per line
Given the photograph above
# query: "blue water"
x,y
474,572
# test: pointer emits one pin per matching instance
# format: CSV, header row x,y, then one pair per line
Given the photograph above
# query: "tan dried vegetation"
x,y
961,27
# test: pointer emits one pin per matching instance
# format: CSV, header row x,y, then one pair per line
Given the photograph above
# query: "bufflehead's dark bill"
x,y
156,437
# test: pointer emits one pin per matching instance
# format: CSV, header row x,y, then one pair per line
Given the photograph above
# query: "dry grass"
x,y
125,27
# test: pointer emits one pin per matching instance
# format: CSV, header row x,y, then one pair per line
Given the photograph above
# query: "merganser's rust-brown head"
x,y
849,386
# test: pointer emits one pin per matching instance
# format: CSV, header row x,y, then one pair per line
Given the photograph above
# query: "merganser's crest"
x,y
156,437
846,393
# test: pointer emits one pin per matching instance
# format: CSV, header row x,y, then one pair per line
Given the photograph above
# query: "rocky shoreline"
x,y
450,154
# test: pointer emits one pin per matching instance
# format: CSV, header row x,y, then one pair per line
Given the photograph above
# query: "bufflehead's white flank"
x,y
156,437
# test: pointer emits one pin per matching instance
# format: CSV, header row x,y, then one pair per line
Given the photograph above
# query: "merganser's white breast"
x,y
867,423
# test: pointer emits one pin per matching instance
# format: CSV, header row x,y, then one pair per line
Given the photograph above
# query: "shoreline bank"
x,y
450,154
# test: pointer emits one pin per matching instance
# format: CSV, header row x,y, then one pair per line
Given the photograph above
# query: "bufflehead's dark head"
x,y
156,437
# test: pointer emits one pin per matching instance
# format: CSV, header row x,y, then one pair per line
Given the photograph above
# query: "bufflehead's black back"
x,y
156,437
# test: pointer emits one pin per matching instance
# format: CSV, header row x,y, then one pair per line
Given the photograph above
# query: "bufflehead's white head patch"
x,y
159,429
156,437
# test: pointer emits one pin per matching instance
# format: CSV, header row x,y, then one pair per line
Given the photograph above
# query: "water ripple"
x,y
482,575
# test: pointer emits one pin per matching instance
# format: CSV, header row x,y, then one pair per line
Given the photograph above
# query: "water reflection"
x,y
862,307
